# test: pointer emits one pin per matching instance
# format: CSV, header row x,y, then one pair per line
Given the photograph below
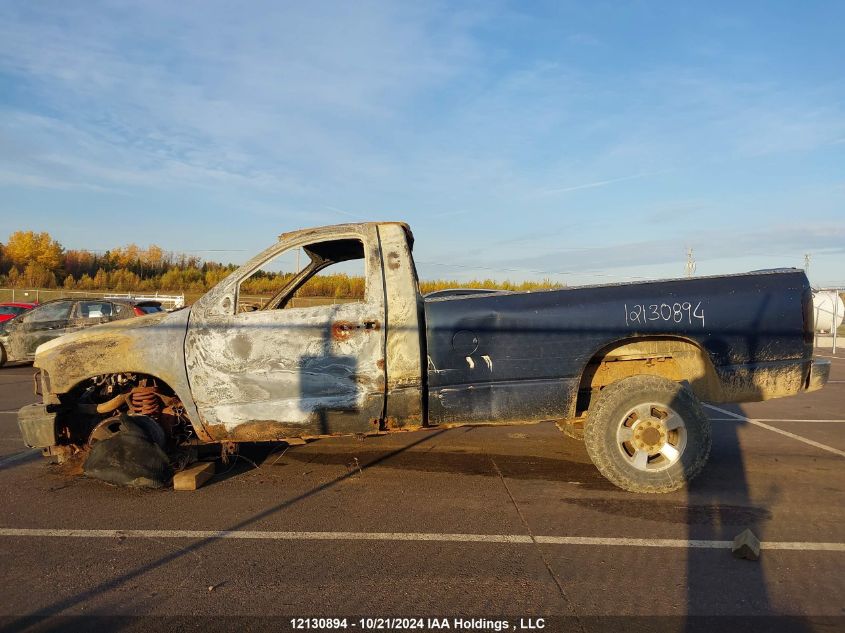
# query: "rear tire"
x,y
2,355
647,434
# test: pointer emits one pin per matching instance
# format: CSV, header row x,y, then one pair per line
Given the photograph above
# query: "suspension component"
x,y
145,401
113,404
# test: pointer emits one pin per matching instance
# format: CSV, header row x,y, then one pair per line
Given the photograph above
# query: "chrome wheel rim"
x,y
651,437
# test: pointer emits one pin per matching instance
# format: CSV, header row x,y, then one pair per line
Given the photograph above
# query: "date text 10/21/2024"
x,y
417,623
679,312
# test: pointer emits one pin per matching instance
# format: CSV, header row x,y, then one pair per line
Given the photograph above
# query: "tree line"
x,y
36,260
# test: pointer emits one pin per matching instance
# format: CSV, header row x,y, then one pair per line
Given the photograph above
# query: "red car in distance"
x,y
10,310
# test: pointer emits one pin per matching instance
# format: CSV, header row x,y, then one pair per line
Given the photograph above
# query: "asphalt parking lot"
x,y
485,522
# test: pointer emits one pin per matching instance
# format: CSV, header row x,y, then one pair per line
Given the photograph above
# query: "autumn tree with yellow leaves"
x,y
35,260
26,247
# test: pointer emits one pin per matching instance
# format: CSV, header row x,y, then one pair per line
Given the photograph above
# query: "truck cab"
x,y
351,366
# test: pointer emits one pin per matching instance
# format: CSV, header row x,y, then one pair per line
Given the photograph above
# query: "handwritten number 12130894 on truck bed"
x,y
678,312
388,359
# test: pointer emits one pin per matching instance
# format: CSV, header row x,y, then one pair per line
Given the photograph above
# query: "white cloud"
x,y
204,92
593,185
454,116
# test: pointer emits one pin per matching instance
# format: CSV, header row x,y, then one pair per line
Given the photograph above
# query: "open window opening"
x,y
318,274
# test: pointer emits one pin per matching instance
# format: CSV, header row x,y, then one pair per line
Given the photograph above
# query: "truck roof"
x,y
351,226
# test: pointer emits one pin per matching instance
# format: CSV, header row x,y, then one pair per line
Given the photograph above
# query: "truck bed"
x,y
521,356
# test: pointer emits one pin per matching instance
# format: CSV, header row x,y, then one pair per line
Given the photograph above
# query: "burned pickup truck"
x,y
624,366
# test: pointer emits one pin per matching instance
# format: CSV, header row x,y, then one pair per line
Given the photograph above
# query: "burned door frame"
x,y
293,372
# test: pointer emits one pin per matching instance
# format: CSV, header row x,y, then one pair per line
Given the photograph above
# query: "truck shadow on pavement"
x,y
728,592
41,619
469,462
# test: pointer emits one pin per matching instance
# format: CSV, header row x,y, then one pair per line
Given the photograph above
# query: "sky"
x,y
584,142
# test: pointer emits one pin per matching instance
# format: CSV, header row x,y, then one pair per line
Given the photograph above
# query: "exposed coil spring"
x,y
144,401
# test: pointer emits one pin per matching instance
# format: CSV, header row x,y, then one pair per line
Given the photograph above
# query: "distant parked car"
x,y
20,336
10,310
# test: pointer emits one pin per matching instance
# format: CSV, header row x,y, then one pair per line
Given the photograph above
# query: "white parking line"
x,y
793,420
778,420
763,425
410,536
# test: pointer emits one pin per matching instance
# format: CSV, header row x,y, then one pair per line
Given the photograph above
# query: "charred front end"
x,y
99,382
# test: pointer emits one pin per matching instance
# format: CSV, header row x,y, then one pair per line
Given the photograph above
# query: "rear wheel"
x,y
647,434
2,355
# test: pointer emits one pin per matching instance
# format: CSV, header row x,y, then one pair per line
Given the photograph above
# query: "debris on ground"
x,y
746,545
194,476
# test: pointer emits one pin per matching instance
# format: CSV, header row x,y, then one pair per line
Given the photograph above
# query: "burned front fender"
x,y
153,345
